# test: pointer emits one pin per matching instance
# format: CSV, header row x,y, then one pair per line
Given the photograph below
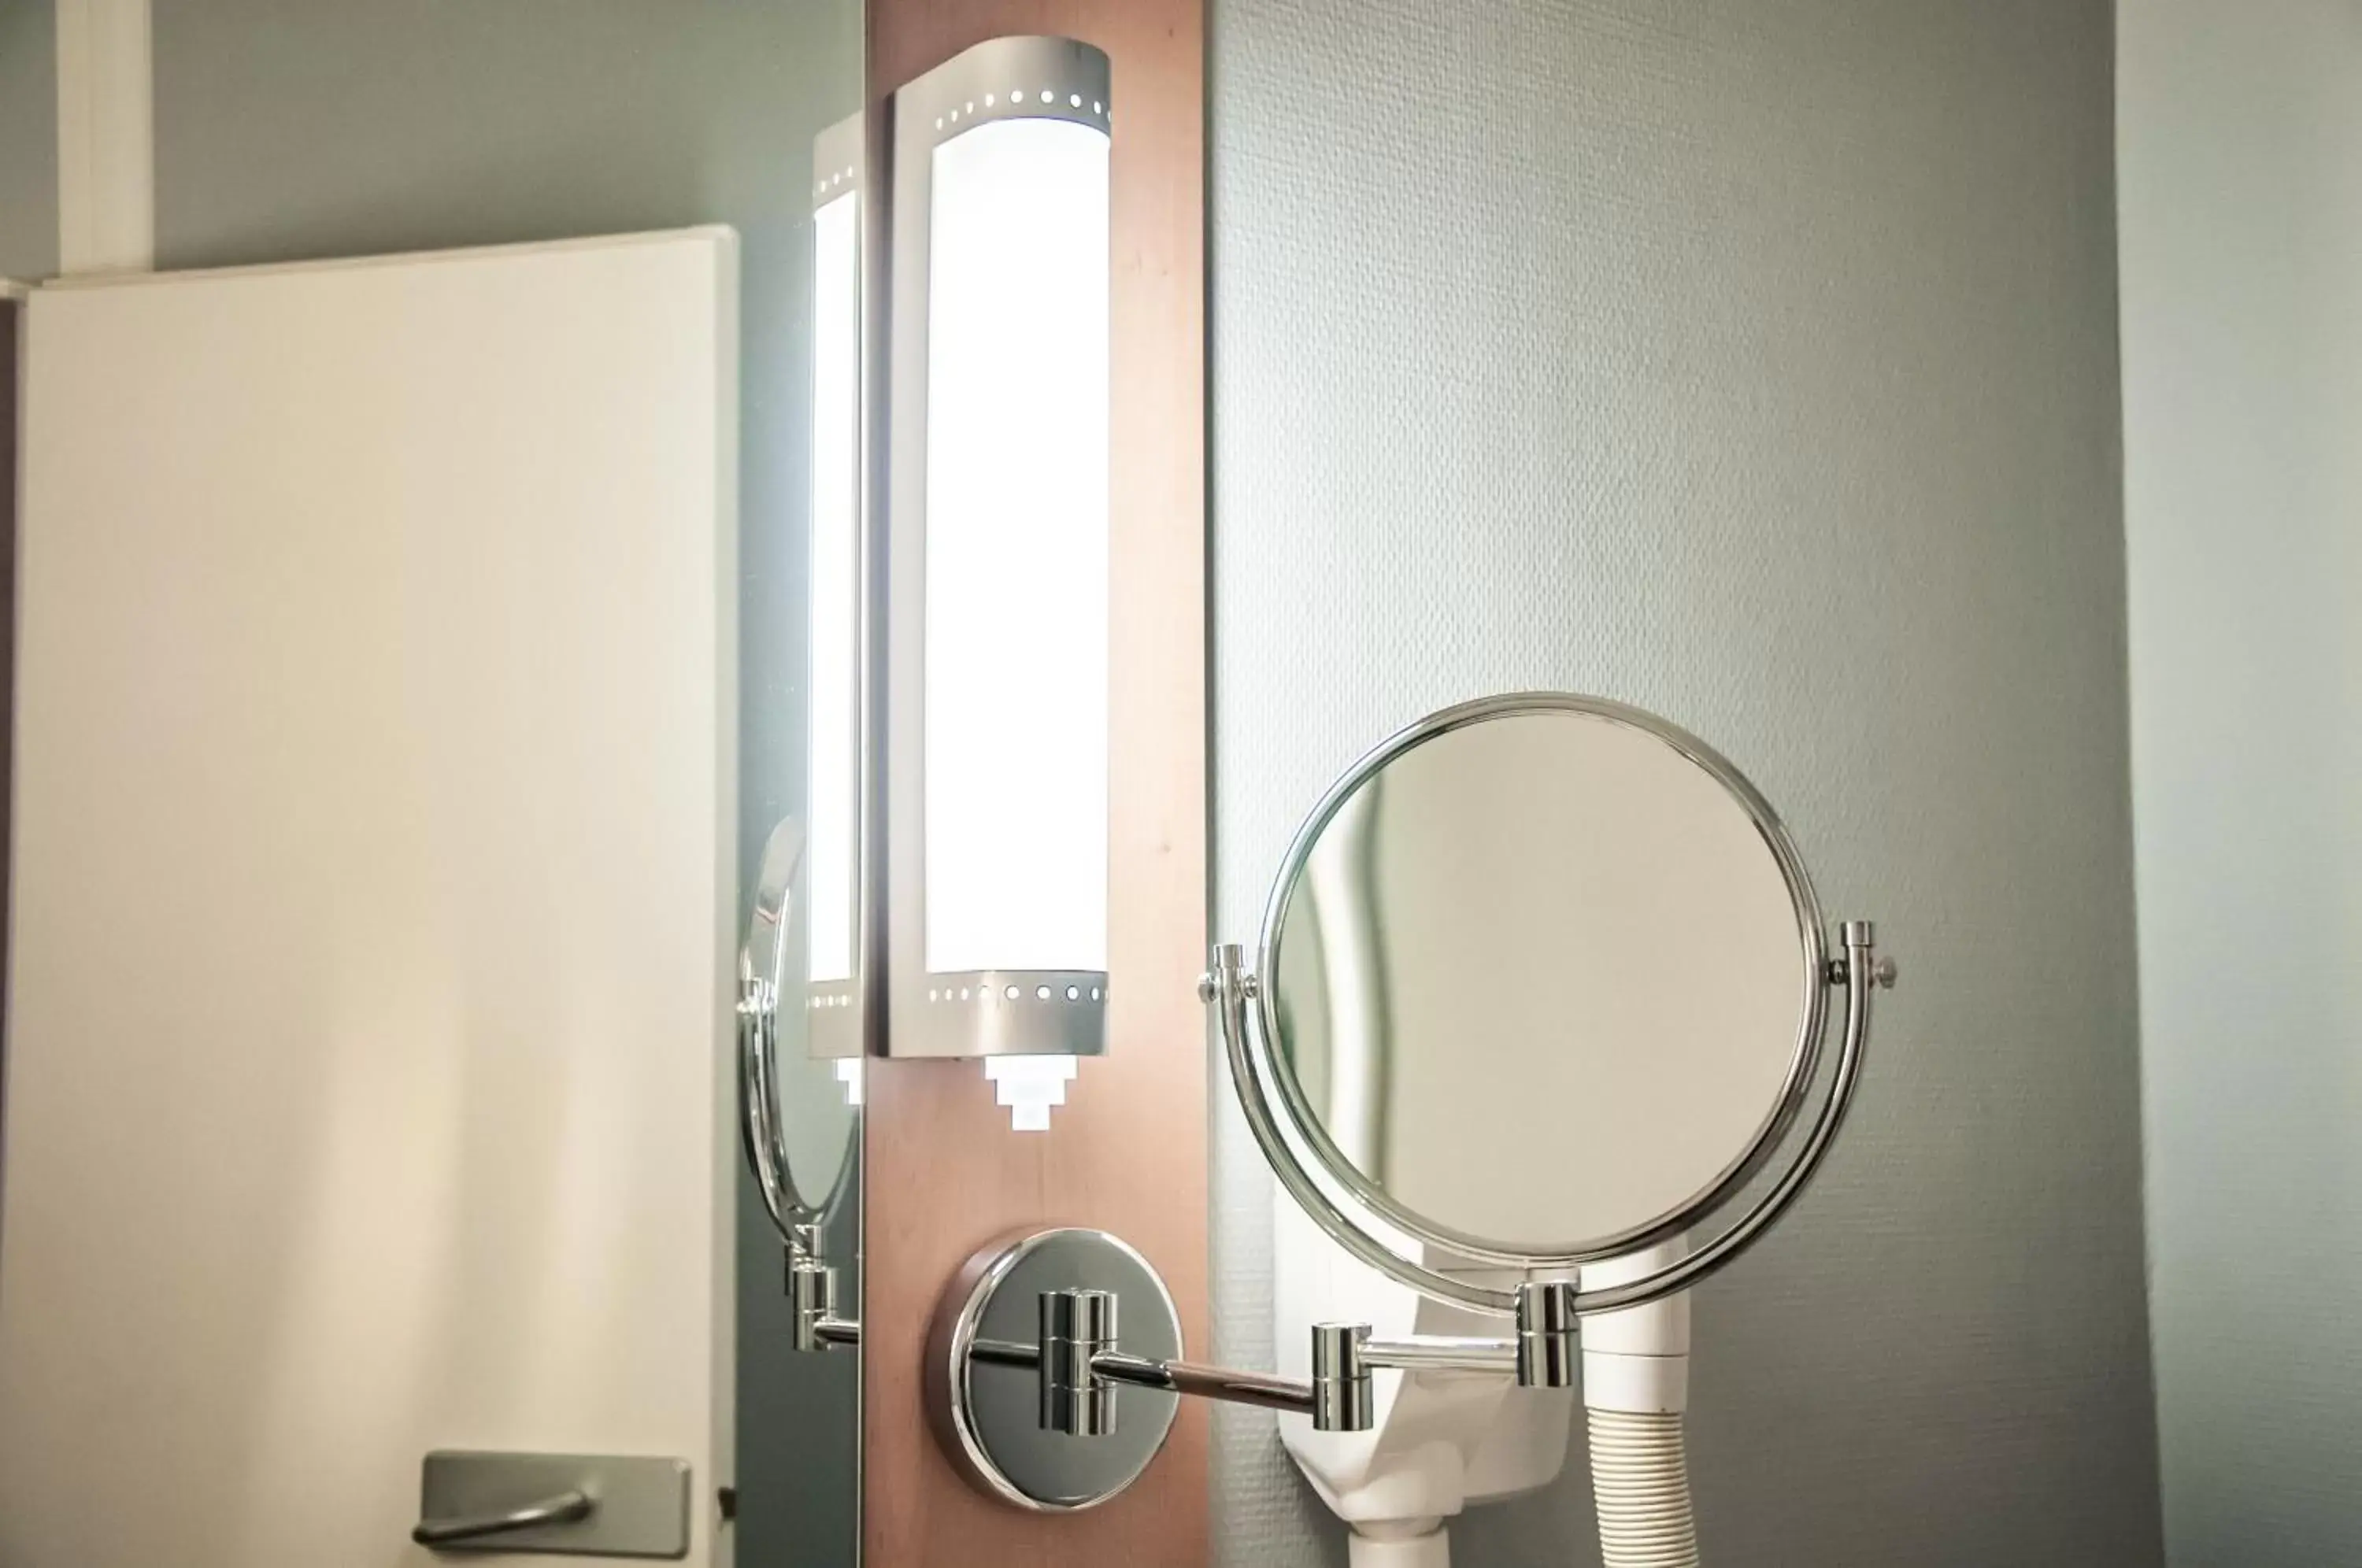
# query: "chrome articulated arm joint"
x,y
1859,939
1081,1366
1077,1327
812,1298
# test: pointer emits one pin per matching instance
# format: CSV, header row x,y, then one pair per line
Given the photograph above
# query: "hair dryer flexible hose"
x,y
1640,1475
1636,1384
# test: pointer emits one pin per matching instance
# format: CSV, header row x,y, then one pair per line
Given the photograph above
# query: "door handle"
x,y
564,1505
567,1507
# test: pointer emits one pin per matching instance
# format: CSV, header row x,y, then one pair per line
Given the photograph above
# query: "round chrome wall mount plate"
x,y
984,1387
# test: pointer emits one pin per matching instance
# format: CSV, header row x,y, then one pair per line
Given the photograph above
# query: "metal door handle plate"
x,y
569,1505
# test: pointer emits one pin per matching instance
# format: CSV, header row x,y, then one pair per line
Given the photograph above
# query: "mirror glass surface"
x,y
798,1481
301,129
543,1302
1540,982
816,1092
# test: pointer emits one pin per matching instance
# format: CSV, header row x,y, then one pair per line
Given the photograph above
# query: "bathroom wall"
x,y
288,129
2239,137
1753,361
29,139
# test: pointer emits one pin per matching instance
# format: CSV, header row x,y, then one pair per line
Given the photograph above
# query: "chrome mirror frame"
x,y
1367,1223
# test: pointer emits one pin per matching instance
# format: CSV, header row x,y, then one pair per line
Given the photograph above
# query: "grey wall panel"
x,y
2240,136
1754,362
28,138
288,129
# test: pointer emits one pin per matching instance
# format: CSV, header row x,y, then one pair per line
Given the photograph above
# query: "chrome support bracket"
x,y
812,1298
1024,1367
1078,1363
1860,939
1549,1335
1000,1442
1077,1327
1345,1400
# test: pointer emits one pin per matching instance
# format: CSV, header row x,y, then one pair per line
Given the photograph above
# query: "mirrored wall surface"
x,y
305,130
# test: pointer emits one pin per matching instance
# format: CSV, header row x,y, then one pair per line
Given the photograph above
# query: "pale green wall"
x,y
2240,142
29,139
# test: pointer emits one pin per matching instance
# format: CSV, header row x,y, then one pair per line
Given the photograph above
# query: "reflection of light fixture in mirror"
x,y
832,902
998,670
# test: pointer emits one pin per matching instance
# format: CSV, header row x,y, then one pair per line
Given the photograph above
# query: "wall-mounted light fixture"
x,y
998,510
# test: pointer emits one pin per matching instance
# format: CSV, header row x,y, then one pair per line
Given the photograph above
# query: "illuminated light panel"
x,y
1016,663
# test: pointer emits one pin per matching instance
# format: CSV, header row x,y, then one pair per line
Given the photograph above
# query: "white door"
x,y
368,1007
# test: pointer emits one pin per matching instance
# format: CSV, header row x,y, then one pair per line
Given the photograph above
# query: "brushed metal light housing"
x,y
995,794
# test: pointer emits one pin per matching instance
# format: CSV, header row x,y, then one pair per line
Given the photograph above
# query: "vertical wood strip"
x,y
12,326
1127,1152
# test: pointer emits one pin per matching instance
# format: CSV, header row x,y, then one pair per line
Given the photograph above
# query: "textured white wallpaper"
x,y
1752,360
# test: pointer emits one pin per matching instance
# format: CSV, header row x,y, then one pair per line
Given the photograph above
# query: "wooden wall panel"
x,y
1128,1151
12,317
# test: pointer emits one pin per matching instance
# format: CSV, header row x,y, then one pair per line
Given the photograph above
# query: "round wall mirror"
x,y
1543,981
798,1109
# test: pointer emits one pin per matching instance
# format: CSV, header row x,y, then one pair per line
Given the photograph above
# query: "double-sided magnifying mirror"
x,y
1535,1028
1543,983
